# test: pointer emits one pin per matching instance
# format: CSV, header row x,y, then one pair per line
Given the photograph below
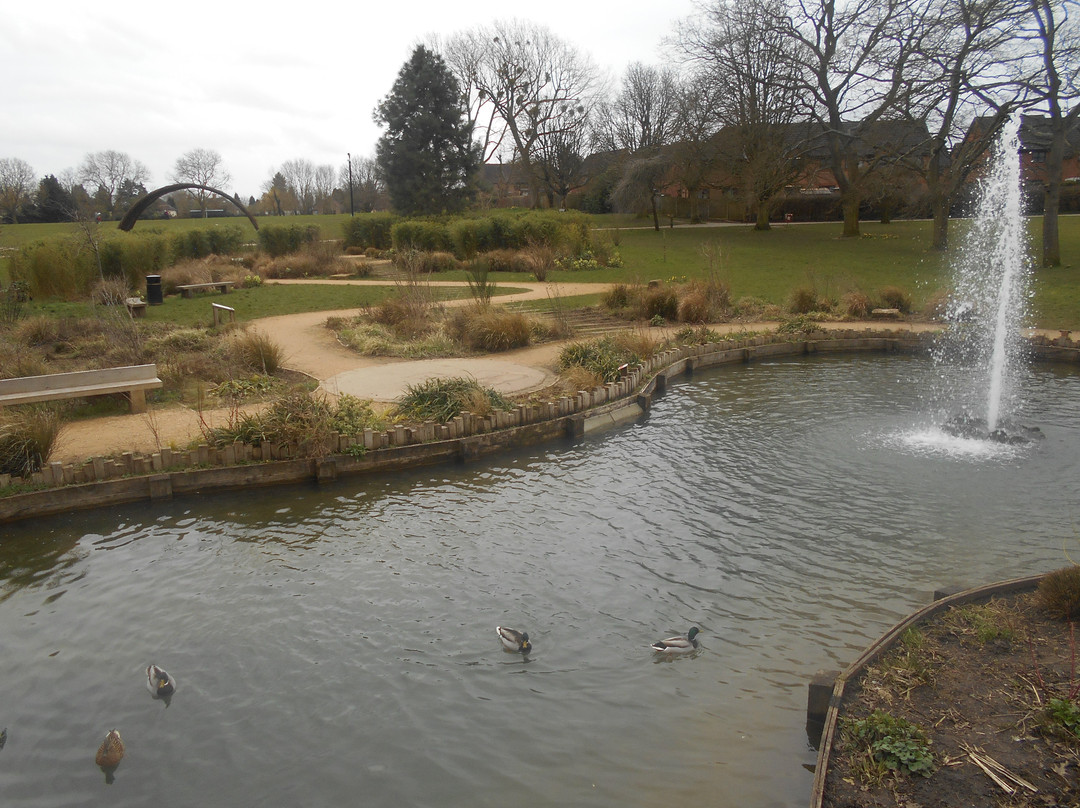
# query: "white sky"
x,y
260,83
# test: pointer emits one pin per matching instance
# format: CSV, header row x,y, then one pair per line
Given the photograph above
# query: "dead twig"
x,y
1005,779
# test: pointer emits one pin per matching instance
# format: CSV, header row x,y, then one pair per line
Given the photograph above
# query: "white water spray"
x,y
992,276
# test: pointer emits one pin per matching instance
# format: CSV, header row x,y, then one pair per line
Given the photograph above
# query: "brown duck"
x,y
111,751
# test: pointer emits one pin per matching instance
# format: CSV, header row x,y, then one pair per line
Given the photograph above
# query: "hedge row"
x,y
565,232
68,268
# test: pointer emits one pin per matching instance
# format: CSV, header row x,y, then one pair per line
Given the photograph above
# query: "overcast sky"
x,y
259,83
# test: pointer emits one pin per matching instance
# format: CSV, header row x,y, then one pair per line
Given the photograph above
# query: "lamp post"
x,y
352,209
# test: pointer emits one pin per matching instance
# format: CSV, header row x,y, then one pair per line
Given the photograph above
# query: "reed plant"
x,y
27,437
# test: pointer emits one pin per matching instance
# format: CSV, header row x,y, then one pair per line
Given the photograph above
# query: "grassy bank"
x,y
764,265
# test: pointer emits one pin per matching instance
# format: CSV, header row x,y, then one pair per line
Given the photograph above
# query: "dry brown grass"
x,y
488,328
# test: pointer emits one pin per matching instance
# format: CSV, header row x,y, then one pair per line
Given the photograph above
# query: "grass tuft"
x,y
1059,593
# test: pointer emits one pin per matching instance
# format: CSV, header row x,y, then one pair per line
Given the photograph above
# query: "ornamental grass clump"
x,y
257,352
439,400
604,356
489,329
27,438
1059,593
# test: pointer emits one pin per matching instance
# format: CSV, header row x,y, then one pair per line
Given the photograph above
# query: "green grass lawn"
x,y
268,300
766,265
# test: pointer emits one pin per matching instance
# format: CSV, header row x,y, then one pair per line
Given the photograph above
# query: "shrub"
x,y
660,301
893,297
1059,593
278,240
802,300
369,232
16,362
315,260
27,437
420,235
489,329
204,242
604,356
1064,714
55,268
351,416
856,304
131,257
111,292
694,308
296,419
617,297
440,400
428,262
257,352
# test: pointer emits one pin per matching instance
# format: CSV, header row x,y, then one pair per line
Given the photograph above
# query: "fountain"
x,y
988,307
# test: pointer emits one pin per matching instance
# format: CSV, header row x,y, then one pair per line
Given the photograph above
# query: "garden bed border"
x,y
942,600
132,477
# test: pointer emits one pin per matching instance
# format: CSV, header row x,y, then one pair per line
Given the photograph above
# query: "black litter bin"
x,y
153,290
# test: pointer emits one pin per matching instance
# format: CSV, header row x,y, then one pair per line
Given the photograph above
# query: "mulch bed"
x,y
976,678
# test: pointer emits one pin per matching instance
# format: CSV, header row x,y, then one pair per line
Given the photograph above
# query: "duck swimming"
x,y
111,751
678,645
159,683
514,640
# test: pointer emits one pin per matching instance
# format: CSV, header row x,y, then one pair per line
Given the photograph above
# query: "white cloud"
x,y
260,86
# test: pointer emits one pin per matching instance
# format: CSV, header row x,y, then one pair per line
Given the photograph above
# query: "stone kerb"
x,y
637,385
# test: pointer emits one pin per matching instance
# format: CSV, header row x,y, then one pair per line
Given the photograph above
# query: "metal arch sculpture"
x,y
140,206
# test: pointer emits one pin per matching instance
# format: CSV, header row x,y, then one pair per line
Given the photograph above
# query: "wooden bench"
x,y
136,305
188,289
134,380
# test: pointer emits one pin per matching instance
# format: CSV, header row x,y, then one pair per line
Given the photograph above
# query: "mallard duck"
x,y
111,751
678,645
514,640
159,683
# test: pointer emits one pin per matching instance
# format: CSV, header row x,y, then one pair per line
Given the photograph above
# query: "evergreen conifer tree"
x,y
427,158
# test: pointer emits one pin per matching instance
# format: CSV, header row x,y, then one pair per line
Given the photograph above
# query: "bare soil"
x,y
974,678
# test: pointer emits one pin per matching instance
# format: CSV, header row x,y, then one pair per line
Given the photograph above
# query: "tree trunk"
x,y
1051,245
940,239
655,215
851,218
762,222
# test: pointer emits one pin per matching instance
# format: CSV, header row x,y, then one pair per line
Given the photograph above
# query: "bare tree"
x,y
738,48
561,158
1056,90
518,80
107,171
16,182
368,193
693,158
299,177
642,117
639,186
201,167
851,60
323,184
966,82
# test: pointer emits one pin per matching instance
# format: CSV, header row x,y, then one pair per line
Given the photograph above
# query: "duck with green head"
x,y
678,645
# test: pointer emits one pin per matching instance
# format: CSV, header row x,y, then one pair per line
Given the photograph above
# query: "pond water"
x,y
337,645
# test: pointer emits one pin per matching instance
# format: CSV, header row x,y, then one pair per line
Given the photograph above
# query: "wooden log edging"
x,y
884,643
102,481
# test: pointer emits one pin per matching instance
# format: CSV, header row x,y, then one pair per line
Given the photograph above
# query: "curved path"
x,y
312,349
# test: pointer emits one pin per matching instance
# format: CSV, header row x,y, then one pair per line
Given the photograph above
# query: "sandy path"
x,y
312,349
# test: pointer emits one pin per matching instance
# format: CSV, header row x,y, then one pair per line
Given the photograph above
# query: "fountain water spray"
x,y
991,291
